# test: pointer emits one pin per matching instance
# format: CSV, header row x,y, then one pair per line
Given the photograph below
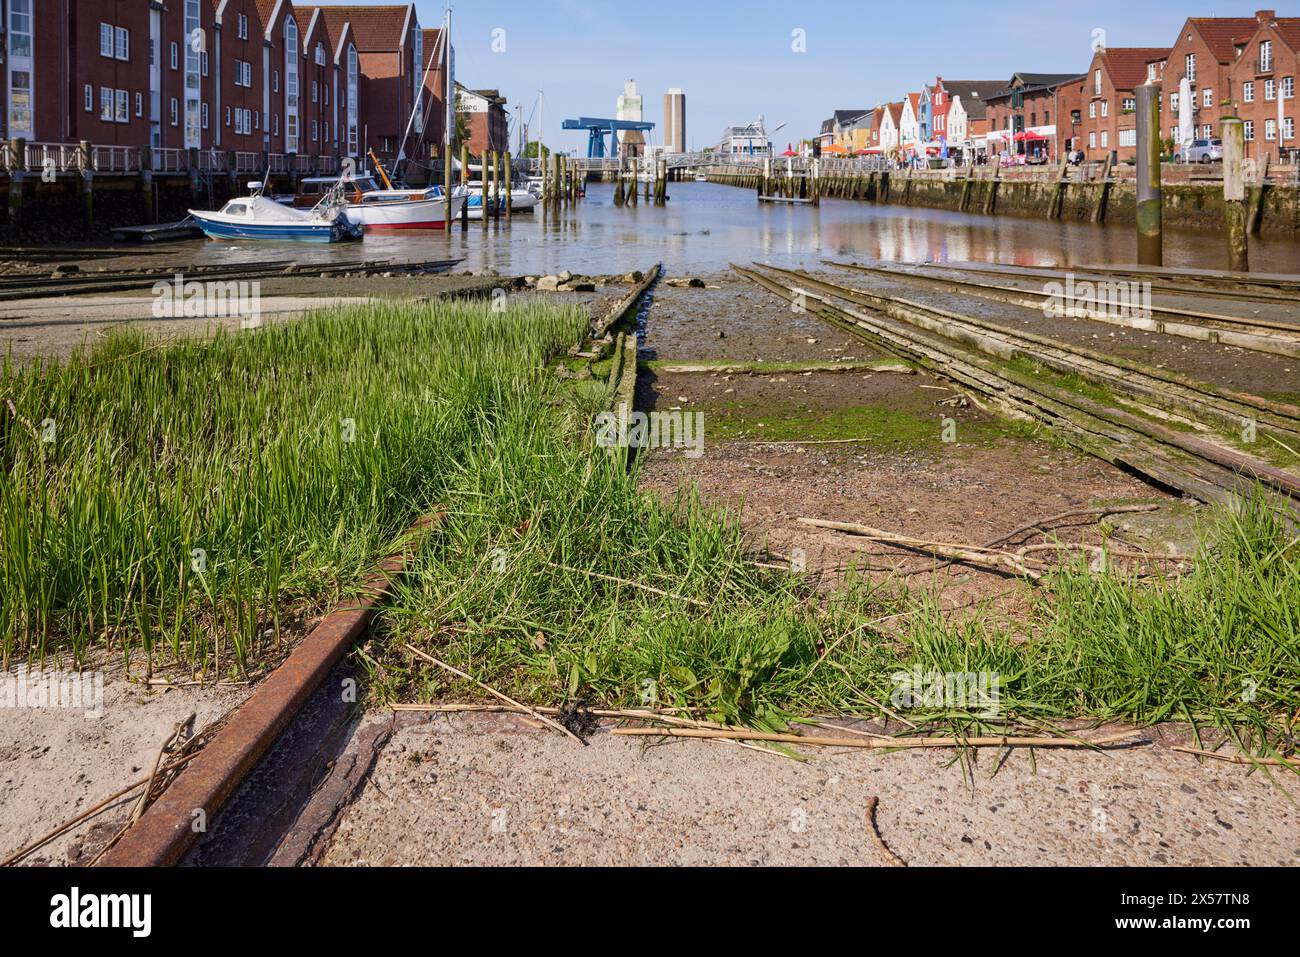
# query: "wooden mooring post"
x,y
1234,193
18,169
1150,208
483,187
632,182
87,188
1058,191
619,175
509,187
1102,194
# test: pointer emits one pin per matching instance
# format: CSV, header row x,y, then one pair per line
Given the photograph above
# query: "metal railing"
x,y
68,157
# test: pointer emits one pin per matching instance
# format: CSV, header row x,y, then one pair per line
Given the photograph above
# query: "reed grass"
x,y
291,457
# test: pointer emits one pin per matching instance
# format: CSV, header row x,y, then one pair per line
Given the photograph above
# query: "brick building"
x,y
1107,101
1263,78
237,73
1204,52
486,120
251,76
1032,103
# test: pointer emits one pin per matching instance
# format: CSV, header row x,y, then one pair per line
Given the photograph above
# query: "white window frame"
x,y
106,40
1248,91
121,106
241,25
1270,130
1270,91
139,104
203,115
122,44
90,97
105,104
1249,128
174,111
1266,54
1207,97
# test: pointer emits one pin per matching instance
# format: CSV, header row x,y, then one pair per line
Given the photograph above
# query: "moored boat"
x,y
258,218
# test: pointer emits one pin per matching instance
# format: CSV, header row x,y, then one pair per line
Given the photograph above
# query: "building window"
x,y
241,27
325,134
1270,90
90,98
1288,128
1173,102
203,59
327,95
176,61
139,104
290,85
204,114
122,106
315,91
1128,137
1129,104
1092,141
1249,131
320,53
352,100
193,68
275,124
1207,131
275,81
106,104
1266,55
1248,92
106,40
1105,107
1151,72
1288,87
1105,139
121,44
1092,110
1207,97
175,112
227,116
314,130
1270,130
1096,83
1190,62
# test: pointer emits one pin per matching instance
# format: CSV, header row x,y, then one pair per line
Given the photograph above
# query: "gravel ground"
x,y
489,789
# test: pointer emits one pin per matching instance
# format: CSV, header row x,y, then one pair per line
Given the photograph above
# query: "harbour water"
x,y
706,226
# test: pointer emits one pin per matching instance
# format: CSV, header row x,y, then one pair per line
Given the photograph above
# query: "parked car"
x,y
1201,151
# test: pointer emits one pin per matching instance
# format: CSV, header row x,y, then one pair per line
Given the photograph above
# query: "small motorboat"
x,y
701,178
521,200
257,217
382,210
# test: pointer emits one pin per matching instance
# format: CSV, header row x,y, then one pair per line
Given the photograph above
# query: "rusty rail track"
x,y
1206,470
1259,335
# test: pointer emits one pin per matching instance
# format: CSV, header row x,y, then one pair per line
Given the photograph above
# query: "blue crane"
x,y
597,128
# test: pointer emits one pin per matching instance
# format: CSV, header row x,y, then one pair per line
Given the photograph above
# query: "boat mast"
x,y
449,123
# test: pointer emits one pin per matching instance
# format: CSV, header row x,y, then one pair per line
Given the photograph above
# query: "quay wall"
x,y
1189,202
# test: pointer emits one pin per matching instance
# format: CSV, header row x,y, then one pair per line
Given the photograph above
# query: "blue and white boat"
x,y
258,218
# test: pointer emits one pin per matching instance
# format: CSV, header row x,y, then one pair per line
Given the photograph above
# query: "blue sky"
x,y
735,60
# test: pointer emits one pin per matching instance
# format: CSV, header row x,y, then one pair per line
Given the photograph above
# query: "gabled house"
x,y
890,121
319,83
909,126
1262,82
389,45
237,66
843,123
1107,120
969,98
1204,53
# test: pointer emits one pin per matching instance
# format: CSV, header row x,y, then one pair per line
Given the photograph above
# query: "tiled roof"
x,y
895,112
848,116
373,28
1219,33
1288,28
1128,65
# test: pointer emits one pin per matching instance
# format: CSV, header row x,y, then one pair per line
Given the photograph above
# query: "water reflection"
x,y
705,227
